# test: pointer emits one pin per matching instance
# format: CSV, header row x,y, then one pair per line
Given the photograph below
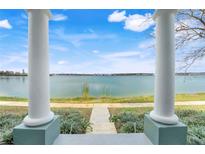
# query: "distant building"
x,y
23,72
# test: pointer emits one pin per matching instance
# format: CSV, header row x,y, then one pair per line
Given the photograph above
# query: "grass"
x,y
17,99
85,91
89,99
130,120
72,121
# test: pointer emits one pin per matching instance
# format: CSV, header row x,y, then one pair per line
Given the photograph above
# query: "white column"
x,y
39,107
165,68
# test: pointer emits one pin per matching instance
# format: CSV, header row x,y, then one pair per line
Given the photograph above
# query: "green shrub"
x,y
196,135
7,122
186,113
195,121
196,129
8,137
124,117
132,122
132,127
74,122
128,122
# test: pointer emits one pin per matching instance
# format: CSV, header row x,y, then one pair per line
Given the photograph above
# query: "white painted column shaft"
x,y
39,107
165,68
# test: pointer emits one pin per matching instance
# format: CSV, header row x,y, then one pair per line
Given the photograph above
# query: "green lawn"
x,y
130,120
72,121
136,99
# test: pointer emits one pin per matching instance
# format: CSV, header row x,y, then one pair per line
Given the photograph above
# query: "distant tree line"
x,y
12,73
103,74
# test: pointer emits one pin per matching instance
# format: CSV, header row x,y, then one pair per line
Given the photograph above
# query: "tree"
x,y
190,36
190,28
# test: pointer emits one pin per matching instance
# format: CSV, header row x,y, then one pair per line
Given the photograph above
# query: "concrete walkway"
x,y
108,105
100,122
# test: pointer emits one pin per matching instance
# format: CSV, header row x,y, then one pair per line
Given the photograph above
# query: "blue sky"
x,y
85,41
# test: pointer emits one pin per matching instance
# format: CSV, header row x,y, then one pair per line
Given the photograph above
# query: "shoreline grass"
x,y
105,99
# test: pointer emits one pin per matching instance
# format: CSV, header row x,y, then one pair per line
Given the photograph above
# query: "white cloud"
x,y
55,17
95,51
149,43
99,65
124,54
59,17
117,16
16,57
62,62
77,38
58,48
113,62
135,22
117,62
138,23
24,16
72,67
90,30
15,61
132,66
5,24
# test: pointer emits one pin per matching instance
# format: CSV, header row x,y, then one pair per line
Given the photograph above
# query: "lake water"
x,y
71,86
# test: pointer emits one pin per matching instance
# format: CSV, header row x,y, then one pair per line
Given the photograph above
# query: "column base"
x,y
165,120
37,122
162,134
39,135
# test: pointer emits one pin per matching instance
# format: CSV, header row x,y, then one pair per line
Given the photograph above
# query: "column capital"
x,y
159,12
46,11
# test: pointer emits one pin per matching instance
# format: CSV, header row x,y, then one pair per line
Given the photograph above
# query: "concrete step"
x,y
102,139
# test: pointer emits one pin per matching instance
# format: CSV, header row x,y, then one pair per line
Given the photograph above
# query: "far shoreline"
x,y
110,74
